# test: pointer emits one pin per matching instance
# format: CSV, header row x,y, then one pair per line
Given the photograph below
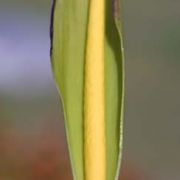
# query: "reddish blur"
x,y
42,155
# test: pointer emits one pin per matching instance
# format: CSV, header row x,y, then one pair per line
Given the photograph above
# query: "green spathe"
x,y
68,59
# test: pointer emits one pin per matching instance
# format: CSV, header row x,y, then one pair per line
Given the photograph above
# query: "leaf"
x,y
69,34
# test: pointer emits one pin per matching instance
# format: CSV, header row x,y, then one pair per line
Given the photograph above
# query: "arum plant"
x,y
87,62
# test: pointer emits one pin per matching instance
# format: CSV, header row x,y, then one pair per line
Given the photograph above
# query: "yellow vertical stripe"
x,y
94,95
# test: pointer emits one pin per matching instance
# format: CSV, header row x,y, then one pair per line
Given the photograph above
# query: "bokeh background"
x,y
32,138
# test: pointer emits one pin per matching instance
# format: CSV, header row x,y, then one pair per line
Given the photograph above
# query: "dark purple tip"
x,y
52,25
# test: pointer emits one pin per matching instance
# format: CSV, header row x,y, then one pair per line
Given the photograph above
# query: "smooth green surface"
x,y
70,19
68,57
114,91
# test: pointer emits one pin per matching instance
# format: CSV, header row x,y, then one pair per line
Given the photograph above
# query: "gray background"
x,y
31,120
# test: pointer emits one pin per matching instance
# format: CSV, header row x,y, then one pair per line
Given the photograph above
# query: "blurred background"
x,y
32,138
